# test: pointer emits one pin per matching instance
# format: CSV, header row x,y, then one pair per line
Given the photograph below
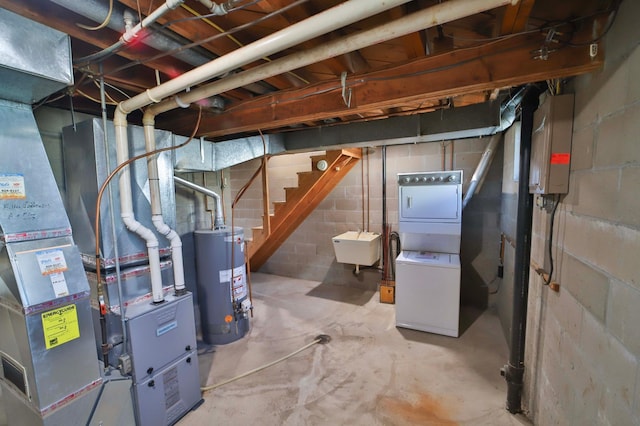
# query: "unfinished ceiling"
x,y
462,62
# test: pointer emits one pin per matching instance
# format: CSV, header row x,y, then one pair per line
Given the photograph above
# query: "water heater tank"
x,y
222,285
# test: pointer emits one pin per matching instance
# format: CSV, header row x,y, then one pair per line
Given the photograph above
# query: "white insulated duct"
x,y
417,21
331,19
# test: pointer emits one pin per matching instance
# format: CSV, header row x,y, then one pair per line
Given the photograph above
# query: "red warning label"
x,y
560,157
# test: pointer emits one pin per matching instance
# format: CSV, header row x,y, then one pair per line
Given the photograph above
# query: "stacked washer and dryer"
x,y
428,267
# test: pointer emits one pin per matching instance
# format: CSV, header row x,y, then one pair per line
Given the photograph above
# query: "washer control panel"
x,y
453,177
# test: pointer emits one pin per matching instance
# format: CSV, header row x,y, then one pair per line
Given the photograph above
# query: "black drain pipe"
x,y
514,371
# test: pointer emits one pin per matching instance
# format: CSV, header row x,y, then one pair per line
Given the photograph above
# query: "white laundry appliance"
x,y
428,268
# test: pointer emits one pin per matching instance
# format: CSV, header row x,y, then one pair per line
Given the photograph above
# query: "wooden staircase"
x,y
299,202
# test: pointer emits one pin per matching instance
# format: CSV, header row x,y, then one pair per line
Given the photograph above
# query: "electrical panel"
x,y
551,146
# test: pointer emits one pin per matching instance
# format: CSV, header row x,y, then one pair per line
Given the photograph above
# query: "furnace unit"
x,y
49,371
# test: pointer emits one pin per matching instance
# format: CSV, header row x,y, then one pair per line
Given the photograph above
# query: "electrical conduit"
x,y
156,208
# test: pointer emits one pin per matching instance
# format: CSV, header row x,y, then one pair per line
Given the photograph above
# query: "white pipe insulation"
x,y
331,19
417,21
156,210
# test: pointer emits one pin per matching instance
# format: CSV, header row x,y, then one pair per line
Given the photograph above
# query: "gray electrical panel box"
x,y
551,146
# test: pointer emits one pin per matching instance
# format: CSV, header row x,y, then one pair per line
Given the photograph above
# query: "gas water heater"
x,y
222,285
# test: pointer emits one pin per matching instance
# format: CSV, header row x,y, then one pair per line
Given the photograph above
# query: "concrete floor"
x,y
371,373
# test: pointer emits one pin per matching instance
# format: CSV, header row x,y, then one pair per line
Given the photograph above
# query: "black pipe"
x,y
385,227
384,187
514,371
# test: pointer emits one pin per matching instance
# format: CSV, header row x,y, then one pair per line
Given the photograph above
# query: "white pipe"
x,y
220,9
219,219
433,16
319,24
168,5
126,209
482,168
338,16
156,208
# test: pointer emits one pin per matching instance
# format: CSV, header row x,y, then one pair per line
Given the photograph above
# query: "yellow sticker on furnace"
x,y
60,326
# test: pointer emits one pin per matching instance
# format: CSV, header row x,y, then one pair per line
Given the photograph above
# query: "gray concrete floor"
x,y
371,373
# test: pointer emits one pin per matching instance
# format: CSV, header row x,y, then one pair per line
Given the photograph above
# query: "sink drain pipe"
x,y
514,370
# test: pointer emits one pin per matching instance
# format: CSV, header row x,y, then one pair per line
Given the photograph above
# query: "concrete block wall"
x,y
308,253
583,343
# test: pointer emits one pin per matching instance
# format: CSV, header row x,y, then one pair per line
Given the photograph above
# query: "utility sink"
x,y
357,248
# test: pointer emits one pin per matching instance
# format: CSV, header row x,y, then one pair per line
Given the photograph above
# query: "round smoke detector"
x,y
322,165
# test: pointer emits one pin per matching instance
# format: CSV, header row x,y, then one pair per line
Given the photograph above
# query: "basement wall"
x,y
308,253
583,343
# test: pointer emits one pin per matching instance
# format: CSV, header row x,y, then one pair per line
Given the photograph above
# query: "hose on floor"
x,y
322,339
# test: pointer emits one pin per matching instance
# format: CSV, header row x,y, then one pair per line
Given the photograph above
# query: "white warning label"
x,y
51,261
12,186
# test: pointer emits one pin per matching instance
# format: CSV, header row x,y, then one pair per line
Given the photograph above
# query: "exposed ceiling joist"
x,y
505,63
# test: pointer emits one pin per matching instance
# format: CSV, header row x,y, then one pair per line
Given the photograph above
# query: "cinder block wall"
x,y
308,253
583,343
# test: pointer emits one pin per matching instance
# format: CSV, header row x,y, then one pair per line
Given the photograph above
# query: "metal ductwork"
x,y
49,372
472,121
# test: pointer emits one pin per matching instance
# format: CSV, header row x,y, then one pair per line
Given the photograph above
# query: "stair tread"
x,y
313,187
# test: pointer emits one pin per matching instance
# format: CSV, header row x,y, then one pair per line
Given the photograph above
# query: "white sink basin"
x,y
357,248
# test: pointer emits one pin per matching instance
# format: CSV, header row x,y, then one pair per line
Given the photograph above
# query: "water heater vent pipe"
x,y
219,218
